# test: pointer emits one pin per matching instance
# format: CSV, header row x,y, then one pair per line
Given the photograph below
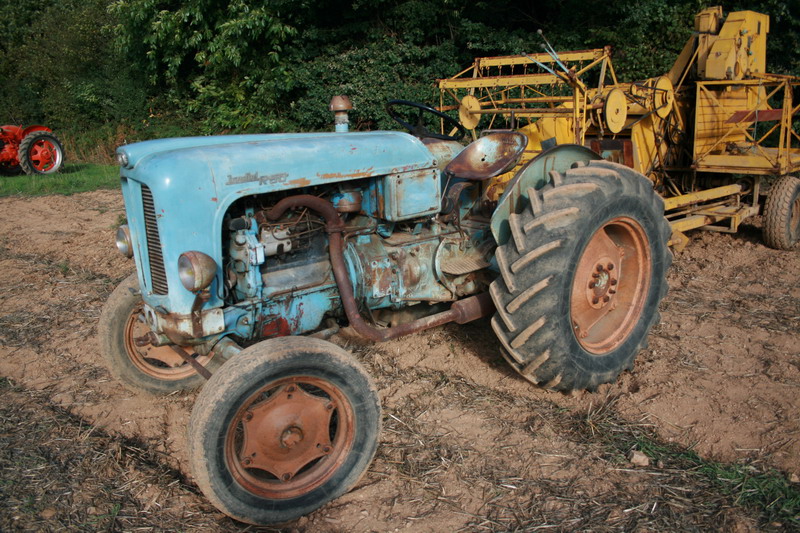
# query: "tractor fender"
x,y
11,134
534,175
31,129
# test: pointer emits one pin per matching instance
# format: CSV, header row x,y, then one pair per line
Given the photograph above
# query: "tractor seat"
x,y
488,157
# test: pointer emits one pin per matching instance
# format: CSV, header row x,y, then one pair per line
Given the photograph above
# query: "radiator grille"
x,y
159,276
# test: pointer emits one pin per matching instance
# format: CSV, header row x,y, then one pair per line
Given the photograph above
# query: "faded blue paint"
x,y
197,179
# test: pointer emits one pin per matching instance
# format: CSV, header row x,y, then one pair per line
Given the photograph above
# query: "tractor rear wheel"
x,y
782,214
582,276
284,427
40,152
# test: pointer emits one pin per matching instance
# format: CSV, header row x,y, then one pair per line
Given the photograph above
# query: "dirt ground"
x,y
466,444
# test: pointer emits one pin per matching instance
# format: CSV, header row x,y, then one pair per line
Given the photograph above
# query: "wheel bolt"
x,y
286,477
248,417
326,449
595,301
610,266
595,275
599,268
612,291
592,284
246,461
606,298
290,388
613,281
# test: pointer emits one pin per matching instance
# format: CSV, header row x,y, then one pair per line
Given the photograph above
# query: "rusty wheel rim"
x,y
290,437
610,285
159,362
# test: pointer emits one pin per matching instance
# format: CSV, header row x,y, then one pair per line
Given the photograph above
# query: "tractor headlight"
x,y
122,159
124,243
196,270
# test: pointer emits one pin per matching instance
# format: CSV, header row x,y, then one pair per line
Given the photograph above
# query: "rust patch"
x,y
277,328
339,176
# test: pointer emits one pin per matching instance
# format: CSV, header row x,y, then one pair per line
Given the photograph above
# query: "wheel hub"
x,y
610,285
601,287
287,432
42,155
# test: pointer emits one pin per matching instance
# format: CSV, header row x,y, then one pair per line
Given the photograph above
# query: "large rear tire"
x,y
782,214
40,152
582,276
286,426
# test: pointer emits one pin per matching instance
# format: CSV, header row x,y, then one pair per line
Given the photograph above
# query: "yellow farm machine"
x,y
707,133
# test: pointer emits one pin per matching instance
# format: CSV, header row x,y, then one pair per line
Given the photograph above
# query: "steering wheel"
x,y
419,129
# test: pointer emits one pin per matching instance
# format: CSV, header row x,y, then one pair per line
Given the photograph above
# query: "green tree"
x,y
59,68
218,61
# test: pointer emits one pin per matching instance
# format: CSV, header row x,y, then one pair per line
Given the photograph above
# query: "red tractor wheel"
x,y
40,152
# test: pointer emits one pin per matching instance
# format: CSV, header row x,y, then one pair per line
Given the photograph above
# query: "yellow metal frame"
x,y
738,147
729,112
530,86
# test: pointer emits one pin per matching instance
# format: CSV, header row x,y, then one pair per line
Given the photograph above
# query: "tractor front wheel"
x,y
782,214
40,152
582,276
152,369
284,427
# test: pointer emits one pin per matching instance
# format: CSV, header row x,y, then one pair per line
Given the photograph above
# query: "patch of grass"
x,y
73,178
765,491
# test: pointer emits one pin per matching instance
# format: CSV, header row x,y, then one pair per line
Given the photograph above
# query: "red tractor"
x,y
32,150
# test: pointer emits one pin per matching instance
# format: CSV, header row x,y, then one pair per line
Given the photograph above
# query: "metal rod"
x,y
186,356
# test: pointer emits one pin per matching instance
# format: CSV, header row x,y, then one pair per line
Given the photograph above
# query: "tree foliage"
x,y
58,67
209,66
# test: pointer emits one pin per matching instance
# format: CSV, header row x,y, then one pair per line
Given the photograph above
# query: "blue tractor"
x,y
251,250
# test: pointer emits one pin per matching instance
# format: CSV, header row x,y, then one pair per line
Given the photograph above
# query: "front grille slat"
x,y
157,273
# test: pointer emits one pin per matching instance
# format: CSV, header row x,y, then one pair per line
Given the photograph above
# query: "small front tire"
x,y
286,426
155,370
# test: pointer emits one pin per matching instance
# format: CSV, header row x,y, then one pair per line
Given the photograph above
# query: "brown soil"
x,y
467,444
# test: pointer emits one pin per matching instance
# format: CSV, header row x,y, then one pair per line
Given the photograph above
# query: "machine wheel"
x,y
156,370
40,152
782,214
286,426
582,276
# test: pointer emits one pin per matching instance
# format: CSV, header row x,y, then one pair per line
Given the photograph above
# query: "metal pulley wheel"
x,y
469,119
615,110
663,97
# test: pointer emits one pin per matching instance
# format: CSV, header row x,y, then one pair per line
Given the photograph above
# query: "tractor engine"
x,y
285,264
